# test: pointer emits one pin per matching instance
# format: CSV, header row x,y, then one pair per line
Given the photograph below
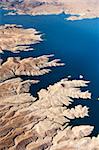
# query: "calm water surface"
x,y
75,43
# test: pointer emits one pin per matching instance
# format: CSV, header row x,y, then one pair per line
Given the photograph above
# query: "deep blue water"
x,y
75,43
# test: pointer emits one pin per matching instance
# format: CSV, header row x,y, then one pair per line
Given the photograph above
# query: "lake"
x,y
76,43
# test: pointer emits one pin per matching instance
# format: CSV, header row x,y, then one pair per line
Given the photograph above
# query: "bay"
x,y
76,43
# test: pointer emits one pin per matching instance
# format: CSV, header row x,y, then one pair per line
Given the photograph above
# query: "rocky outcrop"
x,y
15,38
30,123
27,66
15,87
78,139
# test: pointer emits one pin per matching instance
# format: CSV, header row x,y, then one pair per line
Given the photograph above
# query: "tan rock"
x,y
82,8
30,123
14,37
15,87
27,66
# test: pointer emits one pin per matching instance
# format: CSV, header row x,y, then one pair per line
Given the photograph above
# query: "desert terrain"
x,y
82,8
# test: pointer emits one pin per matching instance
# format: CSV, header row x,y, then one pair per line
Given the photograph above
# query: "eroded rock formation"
x,y
15,87
29,123
43,122
14,37
27,66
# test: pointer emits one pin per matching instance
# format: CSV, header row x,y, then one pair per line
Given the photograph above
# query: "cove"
x,y
75,43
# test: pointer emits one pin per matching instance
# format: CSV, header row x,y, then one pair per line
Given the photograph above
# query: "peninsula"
x,y
81,8
14,38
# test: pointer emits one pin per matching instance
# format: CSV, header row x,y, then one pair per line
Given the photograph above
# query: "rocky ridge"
x,y
30,123
15,38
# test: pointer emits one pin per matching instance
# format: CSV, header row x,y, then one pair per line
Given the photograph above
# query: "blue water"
x,y
75,43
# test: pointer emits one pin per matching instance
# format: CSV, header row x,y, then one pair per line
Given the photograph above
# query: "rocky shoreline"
x,y
14,38
43,122
80,9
